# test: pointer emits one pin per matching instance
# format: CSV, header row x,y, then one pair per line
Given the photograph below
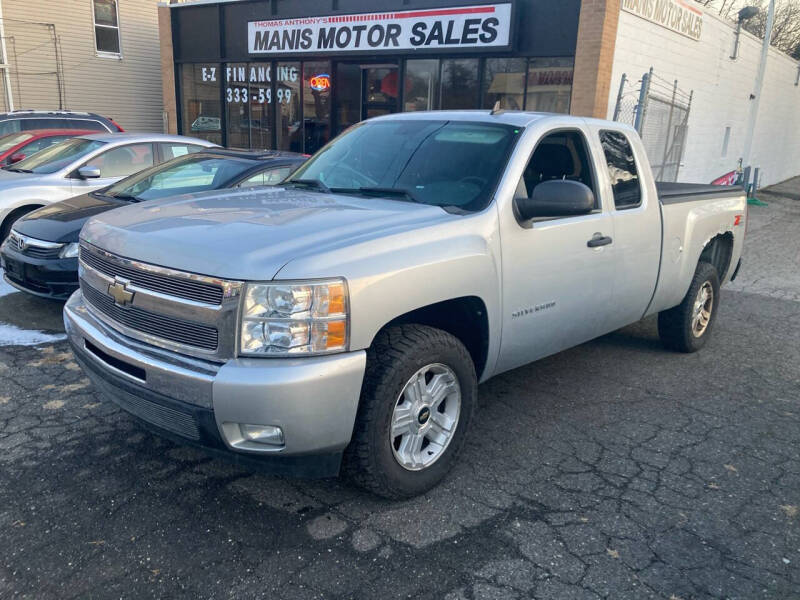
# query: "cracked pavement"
x,y
613,470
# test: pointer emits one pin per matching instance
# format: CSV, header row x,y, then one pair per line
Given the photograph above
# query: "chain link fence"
x,y
659,111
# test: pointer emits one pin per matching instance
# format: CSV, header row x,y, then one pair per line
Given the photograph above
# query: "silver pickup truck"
x,y
344,319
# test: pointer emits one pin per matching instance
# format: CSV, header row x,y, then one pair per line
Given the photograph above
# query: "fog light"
x,y
262,434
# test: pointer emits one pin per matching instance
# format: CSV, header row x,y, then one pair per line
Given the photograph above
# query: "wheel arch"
x,y
466,318
719,251
18,211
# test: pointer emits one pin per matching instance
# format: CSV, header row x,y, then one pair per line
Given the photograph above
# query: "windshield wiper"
x,y
17,170
314,183
388,191
128,197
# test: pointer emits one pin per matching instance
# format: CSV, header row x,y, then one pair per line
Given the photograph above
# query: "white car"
x,y
81,165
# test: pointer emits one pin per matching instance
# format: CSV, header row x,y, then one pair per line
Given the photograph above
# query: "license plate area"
x,y
14,269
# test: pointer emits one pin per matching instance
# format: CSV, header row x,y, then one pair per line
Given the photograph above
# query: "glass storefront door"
x,y
365,90
380,90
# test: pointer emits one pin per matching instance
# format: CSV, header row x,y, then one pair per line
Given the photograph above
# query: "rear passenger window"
x,y
271,177
86,124
560,155
9,126
171,150
621,169
124,160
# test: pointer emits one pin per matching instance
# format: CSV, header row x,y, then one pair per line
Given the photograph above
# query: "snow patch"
x,y
5,288
14,336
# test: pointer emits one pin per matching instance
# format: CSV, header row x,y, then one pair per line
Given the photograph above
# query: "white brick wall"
x,y
722,89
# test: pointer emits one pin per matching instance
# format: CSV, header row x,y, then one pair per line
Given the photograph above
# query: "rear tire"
x,y
405,440
687,327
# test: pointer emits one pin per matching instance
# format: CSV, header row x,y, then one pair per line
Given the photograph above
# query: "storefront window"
x,y
549,84
459,85
317,83
348,95
504,82
201,114
237,104
262,105
287,104
421,85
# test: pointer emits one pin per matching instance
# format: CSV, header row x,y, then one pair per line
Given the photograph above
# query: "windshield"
x,y
9,141
57,156
441,163
193,173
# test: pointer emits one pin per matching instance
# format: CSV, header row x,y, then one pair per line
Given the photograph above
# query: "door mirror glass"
x,y
557,198
89,172
16,157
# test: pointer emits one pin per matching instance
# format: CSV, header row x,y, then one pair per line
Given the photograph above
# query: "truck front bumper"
x,y
313,400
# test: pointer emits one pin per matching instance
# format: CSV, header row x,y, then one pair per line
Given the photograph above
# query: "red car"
x,y
16,146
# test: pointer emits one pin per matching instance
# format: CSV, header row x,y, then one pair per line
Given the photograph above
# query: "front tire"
x,y
417,402
687,327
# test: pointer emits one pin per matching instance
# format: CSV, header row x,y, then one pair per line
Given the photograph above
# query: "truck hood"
x,y
62,221
251,234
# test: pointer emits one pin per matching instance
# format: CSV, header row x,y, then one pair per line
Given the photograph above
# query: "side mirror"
x,y
557,198
87,172
16,157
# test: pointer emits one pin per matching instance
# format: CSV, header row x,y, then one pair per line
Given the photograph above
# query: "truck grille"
x,y
164,327
198,291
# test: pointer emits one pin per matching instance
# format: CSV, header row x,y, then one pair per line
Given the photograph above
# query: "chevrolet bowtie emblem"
x,y
119,291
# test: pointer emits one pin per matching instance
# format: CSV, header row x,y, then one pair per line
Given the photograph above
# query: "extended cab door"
x,y
637,223
557,272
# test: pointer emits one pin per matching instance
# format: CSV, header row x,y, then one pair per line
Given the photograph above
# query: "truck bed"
x,y
673,193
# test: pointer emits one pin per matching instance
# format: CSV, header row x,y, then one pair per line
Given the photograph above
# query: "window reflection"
x,y
504,82
421,85
237,105
316,104
459,85
287,99
200,106
550,84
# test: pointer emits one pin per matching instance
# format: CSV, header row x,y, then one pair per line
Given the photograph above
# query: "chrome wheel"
x,y
703,305
425,417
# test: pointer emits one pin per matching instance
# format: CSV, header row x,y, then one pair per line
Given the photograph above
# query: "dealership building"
x,y
292,74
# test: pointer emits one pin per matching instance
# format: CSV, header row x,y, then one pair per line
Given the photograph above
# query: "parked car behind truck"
x,y
80,165
15,147
46,264
345,318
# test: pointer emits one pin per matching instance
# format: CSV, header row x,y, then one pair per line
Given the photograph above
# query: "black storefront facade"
x,y
291,74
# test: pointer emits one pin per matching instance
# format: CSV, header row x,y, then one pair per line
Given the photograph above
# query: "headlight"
x,y
294,318
70,250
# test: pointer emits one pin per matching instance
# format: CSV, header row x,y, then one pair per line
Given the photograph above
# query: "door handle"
x,y
598,241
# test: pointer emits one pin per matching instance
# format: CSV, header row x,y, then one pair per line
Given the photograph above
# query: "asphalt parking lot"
x,y
613,470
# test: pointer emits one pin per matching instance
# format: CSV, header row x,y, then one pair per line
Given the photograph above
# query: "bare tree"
x,y
786,33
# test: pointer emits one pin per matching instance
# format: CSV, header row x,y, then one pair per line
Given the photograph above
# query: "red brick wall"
x,y
594,57
167,69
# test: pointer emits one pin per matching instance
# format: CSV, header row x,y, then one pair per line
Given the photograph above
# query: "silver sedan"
x,y
81,165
